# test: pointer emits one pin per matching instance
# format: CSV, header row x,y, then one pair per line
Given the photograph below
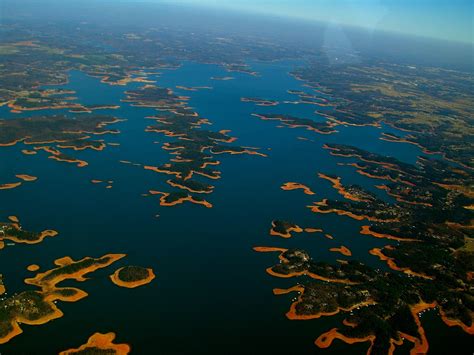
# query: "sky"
x,y
443,19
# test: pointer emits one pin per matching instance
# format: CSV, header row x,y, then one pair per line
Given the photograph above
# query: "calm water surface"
x,y
211,294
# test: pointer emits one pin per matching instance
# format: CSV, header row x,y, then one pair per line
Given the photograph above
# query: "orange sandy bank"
x,y
55,313
10,186
80,163
100,341
29,152
9,144
316,208
421,345
289,125
47,281
389,166
291,314
466,190
269,249
19,109
33,267
187,188
116,279
313,230
295,229
25,177
289,186
456,322
299,273
343,250
367,231
325,340
211,162
89,146
57,155
392,265
41,237
188,198
400,198
244,151
361,171
179,175
13,219
309,274
336,184
389,138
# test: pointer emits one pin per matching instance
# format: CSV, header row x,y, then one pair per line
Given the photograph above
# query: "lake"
x,y
211,293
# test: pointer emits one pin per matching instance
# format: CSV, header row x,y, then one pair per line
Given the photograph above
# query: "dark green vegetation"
x,y
59,131
431,213
380,302
432,264
434,105
34,54
38,307
176,197
13,231
240,68
133,273
191,185
259,102
73,268
193,151
308,98
28,305
283,228
50,129
295,122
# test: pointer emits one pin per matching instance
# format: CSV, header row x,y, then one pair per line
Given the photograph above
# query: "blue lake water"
x,y
211,294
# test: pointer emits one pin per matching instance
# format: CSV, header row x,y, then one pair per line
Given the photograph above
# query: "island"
x,y
14,232
373,92
222,78
283,229
179,197
290,186
100,343
239,68
260,102
307,98
352,192
58,130
33,267
39,307
342,249
193,148
26,177
429,267
132,276
364,295
295,122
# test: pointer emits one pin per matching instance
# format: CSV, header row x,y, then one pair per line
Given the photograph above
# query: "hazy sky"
x,y
445,19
